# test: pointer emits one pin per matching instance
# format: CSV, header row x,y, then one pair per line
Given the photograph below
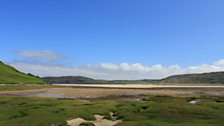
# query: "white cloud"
x,y
109,66
219,63
41,55
125,67
112,71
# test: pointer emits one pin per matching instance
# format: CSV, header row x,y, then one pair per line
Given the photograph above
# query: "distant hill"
x,y
71,80
9,75
205,78
85,80
209,78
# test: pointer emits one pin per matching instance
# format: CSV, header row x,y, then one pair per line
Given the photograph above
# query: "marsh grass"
x,y
152,111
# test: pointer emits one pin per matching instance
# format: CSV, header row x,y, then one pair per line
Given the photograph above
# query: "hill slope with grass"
x,y
9,75
209,78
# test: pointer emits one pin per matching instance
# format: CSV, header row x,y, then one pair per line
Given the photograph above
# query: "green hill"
x,y
9,75
209,78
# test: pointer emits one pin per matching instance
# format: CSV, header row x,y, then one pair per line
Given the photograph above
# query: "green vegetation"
x,y
151,111
9,75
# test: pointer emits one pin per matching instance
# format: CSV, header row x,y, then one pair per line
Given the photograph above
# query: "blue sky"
x,y
94,32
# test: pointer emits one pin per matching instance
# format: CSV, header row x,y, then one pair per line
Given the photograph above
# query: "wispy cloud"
x,y
112,71
40,55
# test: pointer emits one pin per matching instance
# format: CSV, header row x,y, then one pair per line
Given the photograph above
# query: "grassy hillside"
x,y
9,75
211,78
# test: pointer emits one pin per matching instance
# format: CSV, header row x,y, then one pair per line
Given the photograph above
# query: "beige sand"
x,y
98,122
76,122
